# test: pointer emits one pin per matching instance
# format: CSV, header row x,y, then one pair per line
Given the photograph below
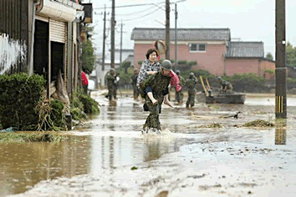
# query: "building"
x,y
211,48
247,57
126,55
42,37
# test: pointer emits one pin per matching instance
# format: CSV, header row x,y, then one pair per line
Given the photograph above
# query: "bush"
x,y
248,82
20,94
82,104
77,106
191,63
125,78
57,114
90,106
125,65
182,62
140,62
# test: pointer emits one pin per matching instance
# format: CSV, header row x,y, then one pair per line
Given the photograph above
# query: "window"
x,y
197,47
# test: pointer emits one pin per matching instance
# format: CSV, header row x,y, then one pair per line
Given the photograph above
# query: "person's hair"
x,y
151,51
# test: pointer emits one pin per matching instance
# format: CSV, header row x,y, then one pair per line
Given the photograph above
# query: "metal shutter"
x,y
58,31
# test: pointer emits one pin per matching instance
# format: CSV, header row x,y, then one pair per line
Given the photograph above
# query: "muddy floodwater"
x,y
110,157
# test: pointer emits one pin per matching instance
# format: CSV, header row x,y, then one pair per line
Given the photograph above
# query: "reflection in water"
x,y
156,146
24,165
280,136
111,148
280,132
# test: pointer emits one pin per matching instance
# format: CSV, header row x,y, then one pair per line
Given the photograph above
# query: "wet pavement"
x,y
110,156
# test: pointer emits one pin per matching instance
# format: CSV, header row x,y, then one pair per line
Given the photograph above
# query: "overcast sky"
x,y
248,20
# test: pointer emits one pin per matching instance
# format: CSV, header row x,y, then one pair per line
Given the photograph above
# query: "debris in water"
x,y
259,123
232,116
206,187
213,125
163,194
134,168
197,176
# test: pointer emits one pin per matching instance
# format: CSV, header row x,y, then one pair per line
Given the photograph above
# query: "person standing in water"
x,y
155,89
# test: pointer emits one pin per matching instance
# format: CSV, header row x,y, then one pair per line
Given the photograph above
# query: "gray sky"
x,y
248,20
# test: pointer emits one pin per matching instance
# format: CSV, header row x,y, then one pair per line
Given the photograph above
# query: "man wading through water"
x,y
155,89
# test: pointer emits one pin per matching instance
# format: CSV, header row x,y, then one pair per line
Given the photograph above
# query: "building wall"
x,y
240,66
14,33
211,59
256,66
265,64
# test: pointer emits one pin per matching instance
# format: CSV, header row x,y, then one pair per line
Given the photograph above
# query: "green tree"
x,y
125,65
291,55
269,56
88,57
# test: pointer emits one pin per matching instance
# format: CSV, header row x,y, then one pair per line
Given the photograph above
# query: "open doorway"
x,y
57,60
41,48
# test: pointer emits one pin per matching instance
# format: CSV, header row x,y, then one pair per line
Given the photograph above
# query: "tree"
x,y
125,66
269,56
88,57
291,55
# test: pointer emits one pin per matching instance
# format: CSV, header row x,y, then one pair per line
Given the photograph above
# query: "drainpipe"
x,y
36,2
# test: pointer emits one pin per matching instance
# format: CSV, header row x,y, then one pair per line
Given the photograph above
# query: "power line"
x,y
131,5
133,13
143,15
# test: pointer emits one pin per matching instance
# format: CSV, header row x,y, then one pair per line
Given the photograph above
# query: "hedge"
x,y
20,94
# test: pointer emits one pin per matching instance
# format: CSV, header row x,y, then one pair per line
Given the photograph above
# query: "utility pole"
x,y
104,39
103,55
113,34
167,29
280,70
176,37
121,43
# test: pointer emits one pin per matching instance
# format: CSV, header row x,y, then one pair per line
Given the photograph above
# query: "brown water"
x,y
113,140
24,165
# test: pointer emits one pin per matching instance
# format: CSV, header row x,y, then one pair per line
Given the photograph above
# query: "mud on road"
x,y
110,157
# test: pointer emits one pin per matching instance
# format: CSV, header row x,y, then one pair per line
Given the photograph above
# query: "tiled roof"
x,y
245,49
183,34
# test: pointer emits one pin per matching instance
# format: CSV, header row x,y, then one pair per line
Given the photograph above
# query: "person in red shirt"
x,y
84,82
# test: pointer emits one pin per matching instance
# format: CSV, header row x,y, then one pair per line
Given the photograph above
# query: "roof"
x,y
130,58
215,34
124,50
245,49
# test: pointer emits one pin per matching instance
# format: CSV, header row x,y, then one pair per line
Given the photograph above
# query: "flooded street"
x,y
110,156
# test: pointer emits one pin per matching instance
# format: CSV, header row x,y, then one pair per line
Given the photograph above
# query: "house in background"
x,y
212,48
126,55
248,57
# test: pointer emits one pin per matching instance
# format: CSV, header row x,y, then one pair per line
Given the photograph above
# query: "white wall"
x,y
12,52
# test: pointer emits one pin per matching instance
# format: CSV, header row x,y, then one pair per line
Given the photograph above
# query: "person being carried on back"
x,y
155,89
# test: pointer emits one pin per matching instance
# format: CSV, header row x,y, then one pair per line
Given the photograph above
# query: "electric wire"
x,y
132,19
132,13
124,6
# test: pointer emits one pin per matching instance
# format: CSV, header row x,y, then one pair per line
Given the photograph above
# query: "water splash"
x,y
12,52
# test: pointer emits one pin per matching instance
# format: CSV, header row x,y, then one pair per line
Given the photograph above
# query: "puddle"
x,y
112,144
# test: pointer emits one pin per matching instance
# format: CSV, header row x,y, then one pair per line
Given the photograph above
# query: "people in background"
x,y
84,81
191,84
179,94
225,85
134,84
111,84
